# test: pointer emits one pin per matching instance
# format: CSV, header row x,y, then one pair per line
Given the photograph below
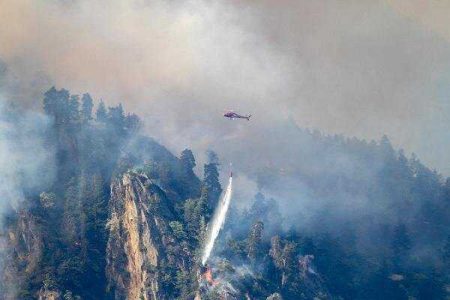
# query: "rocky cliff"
x,y
22,247
142,249
124,218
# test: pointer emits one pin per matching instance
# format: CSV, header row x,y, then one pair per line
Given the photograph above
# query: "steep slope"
x,y
23,252
126,219
141,246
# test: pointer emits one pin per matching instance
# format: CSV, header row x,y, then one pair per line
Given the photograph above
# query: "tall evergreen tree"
x,y
187,159
117,119
132,123
87,106
117,115
95,209
211,180
102,114
401,244
74,108
283,254
56,104
267,211
254,241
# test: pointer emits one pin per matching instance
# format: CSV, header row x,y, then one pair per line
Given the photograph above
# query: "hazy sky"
x,y
362,68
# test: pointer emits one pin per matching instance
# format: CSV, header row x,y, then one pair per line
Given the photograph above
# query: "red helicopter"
x,y
232,115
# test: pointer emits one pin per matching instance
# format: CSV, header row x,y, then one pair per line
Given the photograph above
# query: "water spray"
x,y
217,221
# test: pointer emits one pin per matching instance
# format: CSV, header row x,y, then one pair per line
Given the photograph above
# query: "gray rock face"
x,y
141,243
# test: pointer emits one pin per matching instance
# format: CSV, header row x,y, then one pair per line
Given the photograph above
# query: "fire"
x,y
208,277
208,284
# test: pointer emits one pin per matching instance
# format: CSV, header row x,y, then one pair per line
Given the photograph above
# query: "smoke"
x,y
26,163
225,279
362,68
217,221
359,68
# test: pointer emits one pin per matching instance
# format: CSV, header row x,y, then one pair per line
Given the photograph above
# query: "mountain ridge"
x,y
124,218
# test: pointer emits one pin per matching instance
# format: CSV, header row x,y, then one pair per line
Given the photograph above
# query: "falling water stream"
x,y
217,221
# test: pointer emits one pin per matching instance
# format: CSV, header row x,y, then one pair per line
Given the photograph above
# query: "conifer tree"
x,y
211,180
187,160
401,244
86,108
254,241
101,114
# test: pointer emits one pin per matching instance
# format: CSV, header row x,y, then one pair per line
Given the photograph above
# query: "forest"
x,y
70,237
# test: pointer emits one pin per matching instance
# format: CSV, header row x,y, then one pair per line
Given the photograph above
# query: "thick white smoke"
x,y
217,221
26,162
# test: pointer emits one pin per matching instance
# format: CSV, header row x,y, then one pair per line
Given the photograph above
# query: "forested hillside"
x,y
124,218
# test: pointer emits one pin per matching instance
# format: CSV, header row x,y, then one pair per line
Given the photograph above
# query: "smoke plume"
x,y
363,68
26,162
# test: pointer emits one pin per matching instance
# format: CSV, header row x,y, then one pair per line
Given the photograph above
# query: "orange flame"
x,y
208,276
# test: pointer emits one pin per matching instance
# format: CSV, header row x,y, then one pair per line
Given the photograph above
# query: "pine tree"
x,y
95,209
117,115
86,108
101,114
254,241
401,244
211,181
72,210
117,119
195,215
74,108
283,254
267,211
187,160
191,217
56,104
132,123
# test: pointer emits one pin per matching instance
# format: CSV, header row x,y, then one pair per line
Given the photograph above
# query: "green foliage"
x,y
74,229
266,211
238,248
213,295
211,184
283,253
56,104
69,218
47,199
184,285
254,241
187,159
132,123
191,216
74,108
177,228
49,282
401,244
101,114
86,108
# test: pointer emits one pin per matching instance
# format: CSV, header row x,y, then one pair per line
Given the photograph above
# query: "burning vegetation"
x,y
125,218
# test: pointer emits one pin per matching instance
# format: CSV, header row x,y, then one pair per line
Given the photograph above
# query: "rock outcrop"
x,y
22,247
141,245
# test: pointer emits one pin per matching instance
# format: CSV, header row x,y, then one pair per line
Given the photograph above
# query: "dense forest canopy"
x,y
377,225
